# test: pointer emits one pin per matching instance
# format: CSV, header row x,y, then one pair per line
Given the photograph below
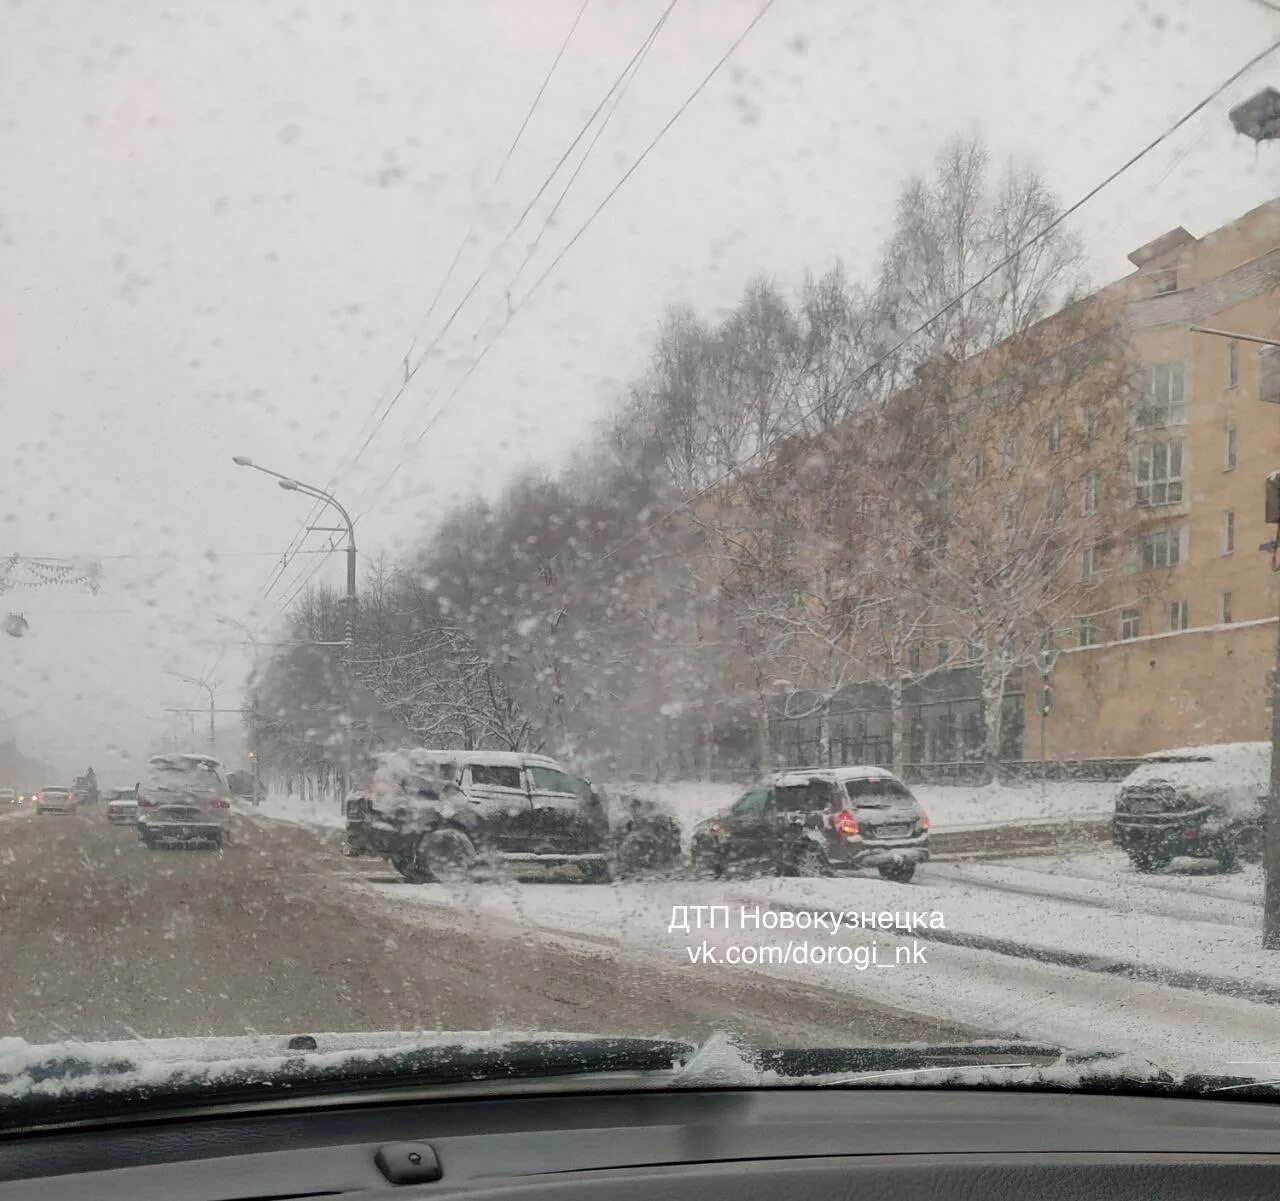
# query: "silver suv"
x,y
184,799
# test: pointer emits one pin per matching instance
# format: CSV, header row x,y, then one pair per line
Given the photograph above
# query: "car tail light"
x,y
221,802
845,824
924,820
143,803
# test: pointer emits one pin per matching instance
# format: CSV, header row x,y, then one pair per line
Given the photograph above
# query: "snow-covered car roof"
x,y
838,774
183,758
1232,775
1212,752
489,758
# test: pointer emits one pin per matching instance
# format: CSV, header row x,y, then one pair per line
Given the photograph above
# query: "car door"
x,y
497,789
749,825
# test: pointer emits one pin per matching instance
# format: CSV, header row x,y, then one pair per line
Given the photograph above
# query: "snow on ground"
x,y
992,992
960,807
322,811
1191,890
949,806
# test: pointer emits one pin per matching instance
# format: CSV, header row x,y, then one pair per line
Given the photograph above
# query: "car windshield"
x,y
582,502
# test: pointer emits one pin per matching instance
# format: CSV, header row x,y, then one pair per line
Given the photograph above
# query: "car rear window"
x,y
813,795
875,788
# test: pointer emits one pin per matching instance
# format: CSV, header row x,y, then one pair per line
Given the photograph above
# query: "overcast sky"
x,y
222,225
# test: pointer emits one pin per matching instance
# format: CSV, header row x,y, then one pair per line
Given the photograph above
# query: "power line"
x,y
410,370
693,95
619,85
959,298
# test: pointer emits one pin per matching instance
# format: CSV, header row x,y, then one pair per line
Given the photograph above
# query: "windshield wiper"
x,y
61,1084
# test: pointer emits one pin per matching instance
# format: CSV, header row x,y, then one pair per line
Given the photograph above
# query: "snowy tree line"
x,y
816,492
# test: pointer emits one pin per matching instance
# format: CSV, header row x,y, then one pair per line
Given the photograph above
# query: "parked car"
x,y
817,822
182,823
443,815
55,800
8,796
122,806
1207,801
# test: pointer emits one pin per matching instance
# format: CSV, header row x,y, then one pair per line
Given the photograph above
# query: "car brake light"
x,y
221,802
924,821
845,824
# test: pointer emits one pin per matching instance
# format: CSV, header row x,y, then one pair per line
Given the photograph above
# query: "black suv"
x,y
817,822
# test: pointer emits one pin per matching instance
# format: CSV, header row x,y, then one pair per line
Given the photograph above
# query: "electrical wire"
x,y
720,480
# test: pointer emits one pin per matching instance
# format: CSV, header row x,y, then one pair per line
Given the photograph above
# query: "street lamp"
x,y
289,484
212,701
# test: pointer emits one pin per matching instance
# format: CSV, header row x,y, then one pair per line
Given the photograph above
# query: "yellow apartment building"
x,y
1178,649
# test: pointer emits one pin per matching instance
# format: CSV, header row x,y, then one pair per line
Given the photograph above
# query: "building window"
x,y
1128,624
1088,562
1161,549
1091,421
1179,615
1269,374
1228,448
1162,401
944,652
1053,436
1159,473
972,651
913,658
1092,482
1164,282
1054,501
1228,531
1233,364
1090,635
1224,608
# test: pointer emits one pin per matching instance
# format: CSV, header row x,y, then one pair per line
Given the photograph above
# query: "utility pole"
x,y
1271,821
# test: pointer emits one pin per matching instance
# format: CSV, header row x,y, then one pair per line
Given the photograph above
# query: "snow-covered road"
x,y
1053,936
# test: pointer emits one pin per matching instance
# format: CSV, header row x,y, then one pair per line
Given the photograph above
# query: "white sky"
x,y
222,223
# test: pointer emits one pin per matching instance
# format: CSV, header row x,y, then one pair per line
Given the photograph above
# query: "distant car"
x,y
180,823
8,796
55,800
122,806
818,821
1208,802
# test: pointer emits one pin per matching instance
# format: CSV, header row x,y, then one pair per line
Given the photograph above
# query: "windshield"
x,y
746,519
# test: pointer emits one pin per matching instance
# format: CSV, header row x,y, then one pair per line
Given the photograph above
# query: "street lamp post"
x,y
213,743
1045,662
289,484
254,747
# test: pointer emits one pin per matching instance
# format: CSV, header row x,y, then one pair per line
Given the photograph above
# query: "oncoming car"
x,y
817,822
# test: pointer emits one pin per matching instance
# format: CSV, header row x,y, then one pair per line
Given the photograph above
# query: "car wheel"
x,y
449,854
899,873
409,866
707,865
1248,844
810,862
1143,861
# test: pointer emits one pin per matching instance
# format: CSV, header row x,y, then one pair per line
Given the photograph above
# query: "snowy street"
x,y
280,933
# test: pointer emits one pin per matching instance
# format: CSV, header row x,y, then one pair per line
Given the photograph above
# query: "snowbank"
x,y
322,811
961,807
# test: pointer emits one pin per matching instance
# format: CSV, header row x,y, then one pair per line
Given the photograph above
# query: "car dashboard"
x,y
815,1143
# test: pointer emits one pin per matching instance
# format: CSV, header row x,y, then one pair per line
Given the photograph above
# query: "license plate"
x,y
898,830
